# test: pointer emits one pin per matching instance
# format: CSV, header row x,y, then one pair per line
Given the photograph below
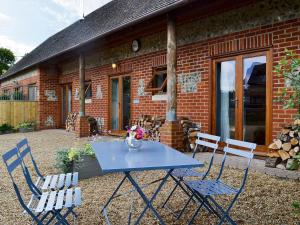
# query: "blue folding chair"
x,y
45,204
52,182
206,189
178,175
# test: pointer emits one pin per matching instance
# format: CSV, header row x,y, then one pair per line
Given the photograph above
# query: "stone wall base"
x,y
171,134
82,127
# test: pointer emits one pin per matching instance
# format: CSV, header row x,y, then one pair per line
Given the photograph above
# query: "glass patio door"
x,y
240,86
120,102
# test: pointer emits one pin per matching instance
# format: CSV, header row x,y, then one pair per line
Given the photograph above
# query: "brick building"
x,y
225,52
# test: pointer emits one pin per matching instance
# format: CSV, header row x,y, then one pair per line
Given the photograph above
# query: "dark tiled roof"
x,y
106,19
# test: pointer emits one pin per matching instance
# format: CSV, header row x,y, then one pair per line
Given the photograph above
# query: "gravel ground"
x,y
266,200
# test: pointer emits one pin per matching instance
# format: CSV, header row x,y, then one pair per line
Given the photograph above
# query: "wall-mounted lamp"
x,y
114,65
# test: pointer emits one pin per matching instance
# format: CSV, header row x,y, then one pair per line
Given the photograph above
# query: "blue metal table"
x,y
115,157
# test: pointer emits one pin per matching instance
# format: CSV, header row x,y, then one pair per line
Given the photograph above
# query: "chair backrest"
x,y
12,160
24,150
238,148
207,141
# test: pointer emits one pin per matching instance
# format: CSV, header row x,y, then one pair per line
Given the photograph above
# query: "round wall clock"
x,y
135,46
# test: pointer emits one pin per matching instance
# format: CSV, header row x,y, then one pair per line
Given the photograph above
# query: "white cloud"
x,y
19,49
77,6
4,18
61,18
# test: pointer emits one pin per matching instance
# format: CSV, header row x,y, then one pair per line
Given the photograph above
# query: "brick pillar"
x,y
171,134
82,127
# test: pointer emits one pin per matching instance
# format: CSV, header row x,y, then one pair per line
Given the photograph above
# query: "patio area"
x,y
266,199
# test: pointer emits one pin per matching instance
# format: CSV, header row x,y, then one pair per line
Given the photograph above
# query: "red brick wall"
x,y
49,109
192,58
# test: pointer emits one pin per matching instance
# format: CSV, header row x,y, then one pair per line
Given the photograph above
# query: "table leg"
x,y
113,195
146,200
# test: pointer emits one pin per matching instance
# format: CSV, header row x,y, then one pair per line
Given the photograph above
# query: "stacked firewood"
x,y
70,121
190,130
151,125
286,146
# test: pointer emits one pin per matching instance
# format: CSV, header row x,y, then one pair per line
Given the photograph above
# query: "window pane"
x,y
226,99
254,81
115,104
126,101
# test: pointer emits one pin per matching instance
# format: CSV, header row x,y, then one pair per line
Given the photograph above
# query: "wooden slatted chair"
x,y
207,189
49,182
48,205
178,175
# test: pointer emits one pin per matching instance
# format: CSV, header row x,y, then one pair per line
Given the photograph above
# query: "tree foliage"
x,y
289,69
7,58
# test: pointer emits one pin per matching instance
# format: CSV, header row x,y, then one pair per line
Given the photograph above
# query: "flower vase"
x,y
133,143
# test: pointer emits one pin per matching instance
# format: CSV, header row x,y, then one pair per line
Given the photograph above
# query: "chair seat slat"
x,y
47,182
77,197
69,198
54,182
51,201
60,199
41,204
68,180
61,181
75,179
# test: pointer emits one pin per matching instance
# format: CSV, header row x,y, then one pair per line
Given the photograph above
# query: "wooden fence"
x,y
15,112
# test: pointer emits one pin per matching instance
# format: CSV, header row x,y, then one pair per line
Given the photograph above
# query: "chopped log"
x,y
193,134
292,153
285,131
283,155
278,143
273,146
272,162
292,133
273,154
296,149
287,146
297,122
294,141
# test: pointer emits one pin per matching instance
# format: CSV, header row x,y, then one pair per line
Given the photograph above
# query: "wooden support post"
x,y
82,85
171,70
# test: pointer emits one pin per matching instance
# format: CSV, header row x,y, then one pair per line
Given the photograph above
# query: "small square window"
x,y
158,82
88,90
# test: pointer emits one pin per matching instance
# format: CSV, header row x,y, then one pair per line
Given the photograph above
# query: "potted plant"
x,y
81,160
26,127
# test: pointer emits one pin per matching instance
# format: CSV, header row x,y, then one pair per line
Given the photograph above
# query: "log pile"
x,y
285,147
190,130
151,125
70,121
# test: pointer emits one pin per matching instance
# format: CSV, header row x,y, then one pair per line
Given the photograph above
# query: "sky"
x,y
24,24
